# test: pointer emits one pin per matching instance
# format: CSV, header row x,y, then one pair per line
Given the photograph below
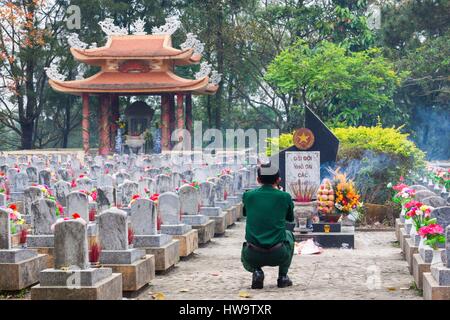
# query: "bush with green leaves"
x,y
372,157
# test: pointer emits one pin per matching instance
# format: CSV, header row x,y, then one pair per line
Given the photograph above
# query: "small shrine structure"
x,y
135,65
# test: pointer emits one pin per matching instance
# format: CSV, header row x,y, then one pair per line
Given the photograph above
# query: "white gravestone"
x,y
304,166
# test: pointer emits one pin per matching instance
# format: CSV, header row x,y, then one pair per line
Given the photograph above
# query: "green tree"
x,y
354,87
416,36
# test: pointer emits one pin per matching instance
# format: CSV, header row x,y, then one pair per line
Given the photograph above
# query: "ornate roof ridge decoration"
x,y
81,69
74,41
172,24
205,70
193,42
150,62
110,29
139,27
136,47
215,78
52,71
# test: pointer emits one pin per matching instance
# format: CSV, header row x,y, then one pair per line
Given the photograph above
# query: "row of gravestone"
x,y
441,206
116,162
19,179
188,201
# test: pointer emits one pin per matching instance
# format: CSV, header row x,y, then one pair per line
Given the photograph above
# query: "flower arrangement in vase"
x,y
419,214
305,208
433,234
15,218
346,195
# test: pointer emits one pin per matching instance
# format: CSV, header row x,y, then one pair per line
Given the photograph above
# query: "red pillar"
x,y
85,123
104,126
115,115
189,113
165,122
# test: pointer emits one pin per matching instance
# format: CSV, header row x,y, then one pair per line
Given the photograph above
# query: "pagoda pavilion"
x,y
136,65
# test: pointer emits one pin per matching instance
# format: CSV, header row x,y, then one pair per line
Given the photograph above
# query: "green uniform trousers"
x,y
281,257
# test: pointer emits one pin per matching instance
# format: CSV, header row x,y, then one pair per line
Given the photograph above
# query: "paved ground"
x,y
375,270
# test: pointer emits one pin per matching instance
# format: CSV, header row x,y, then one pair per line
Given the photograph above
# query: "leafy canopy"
x,y
353,87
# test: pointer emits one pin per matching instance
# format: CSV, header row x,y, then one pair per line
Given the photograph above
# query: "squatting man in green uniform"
x,y
268,243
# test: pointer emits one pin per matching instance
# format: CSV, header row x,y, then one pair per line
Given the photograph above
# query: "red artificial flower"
x,y
154,197
411,213
431,229
76,216
136,196
74,184
399,187
13,206
81,176
410,204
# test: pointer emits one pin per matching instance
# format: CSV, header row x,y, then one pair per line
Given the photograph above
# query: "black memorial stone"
x,y
320,227
325,142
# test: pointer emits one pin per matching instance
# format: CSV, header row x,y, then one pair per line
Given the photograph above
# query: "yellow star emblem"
x,y
303,138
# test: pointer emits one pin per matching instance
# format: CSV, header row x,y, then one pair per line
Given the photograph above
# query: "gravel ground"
x,y
374,270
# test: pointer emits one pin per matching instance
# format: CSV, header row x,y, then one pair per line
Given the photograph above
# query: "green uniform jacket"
x,y
267,209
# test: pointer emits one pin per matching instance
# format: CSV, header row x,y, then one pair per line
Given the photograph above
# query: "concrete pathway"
x,y
374,270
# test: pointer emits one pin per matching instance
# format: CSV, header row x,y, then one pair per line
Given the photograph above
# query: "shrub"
x,y
285,140
372,157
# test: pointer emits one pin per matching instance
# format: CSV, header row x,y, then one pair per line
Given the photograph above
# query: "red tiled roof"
x,y
147,83
133,47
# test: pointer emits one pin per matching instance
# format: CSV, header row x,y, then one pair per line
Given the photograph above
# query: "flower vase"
x,y
421,244
436,257
303,212
413,231
402,215
408,226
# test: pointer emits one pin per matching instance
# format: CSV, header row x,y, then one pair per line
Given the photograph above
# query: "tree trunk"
x,y
220,63
28,119
67,122
209,111
27,129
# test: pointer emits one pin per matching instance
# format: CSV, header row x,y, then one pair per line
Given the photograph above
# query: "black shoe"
x,y
258,279
284,281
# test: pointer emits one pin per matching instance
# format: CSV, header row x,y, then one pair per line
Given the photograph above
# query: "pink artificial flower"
x,y
399,187
431,230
